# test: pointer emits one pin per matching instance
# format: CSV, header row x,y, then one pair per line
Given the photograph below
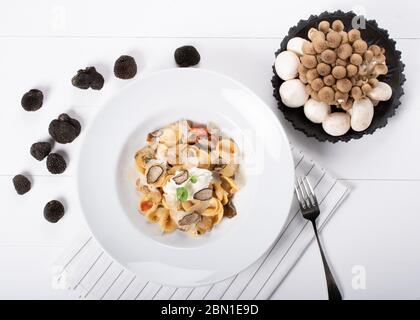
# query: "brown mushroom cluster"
x,y
338,67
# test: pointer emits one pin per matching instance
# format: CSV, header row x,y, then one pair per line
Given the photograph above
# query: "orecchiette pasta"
x,y
187,177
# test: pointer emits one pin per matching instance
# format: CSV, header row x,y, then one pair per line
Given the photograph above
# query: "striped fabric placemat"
x,y
86,268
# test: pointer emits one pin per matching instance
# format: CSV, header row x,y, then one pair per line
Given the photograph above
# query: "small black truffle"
x,y
125,67
40,150
64,129
88,78
186,56
56,163
53,211
32,100
22,184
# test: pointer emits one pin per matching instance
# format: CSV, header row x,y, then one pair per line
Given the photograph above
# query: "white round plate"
x,y
106,177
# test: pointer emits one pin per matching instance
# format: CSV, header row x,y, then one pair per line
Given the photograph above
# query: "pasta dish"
x,y
187,177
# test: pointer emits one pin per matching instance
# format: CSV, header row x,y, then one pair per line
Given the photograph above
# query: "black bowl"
x,y
395,77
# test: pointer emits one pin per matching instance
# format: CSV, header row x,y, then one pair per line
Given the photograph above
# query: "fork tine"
x,y
299,195
314,200
309,195
304,192
304,197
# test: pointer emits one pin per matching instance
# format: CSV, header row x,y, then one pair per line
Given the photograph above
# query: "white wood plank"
x,y
376,228
22,217
187,18
391,153
26,273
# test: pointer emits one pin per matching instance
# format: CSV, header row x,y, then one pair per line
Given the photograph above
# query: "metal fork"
x,y
310,211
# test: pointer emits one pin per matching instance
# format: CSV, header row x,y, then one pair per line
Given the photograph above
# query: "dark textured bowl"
x,y
395,77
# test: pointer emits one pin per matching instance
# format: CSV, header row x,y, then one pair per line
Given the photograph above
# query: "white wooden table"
x,y
43,43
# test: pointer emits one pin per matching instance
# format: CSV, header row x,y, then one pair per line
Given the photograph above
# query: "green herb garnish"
x,y
182,194
193,179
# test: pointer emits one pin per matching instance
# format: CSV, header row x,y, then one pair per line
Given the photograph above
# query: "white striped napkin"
x,y
86,268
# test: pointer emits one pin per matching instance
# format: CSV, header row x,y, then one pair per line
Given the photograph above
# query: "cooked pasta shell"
x,y
204,225
228,151
229,185
146,205
220,193
204,159
142,157
165,221
214,207
149,202
151,217
162,151
229,170
219,216
166,204
174,169
169,136
186,205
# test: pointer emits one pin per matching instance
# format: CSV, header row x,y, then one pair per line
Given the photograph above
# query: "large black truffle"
x,y
186,56
125,67
22,184
56,163
88,78
53,211
64,129
32,100
40,150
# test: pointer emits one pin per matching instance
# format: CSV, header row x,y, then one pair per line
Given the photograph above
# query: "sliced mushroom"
x,y
219,167
154,173
203,194
229,210
153,135
189,219
181,177
205,224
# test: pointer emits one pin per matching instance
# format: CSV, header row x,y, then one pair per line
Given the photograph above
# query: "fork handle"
x,y
333,292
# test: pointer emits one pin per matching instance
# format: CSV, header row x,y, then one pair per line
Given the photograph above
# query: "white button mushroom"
x,y
362,114
337,123
293,93
382,92
316,111
286,65
295,45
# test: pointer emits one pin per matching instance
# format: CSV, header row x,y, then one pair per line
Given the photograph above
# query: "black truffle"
x,y
22,184
64,129
32,100
53,211
125,67
88,78
56,163
40,150
186,56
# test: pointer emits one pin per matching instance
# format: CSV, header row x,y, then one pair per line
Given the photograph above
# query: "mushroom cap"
x,y
296,45
286,65
316,111
293,93
336,124
361,114
381,92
